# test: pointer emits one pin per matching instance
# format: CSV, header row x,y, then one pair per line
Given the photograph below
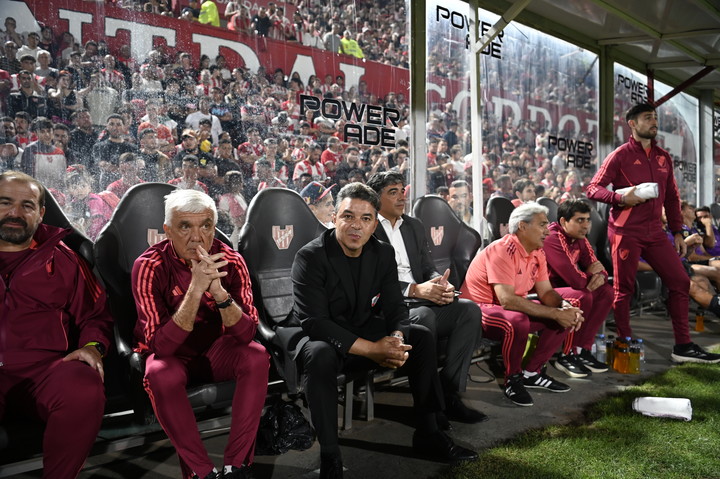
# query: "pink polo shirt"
x,y
505,261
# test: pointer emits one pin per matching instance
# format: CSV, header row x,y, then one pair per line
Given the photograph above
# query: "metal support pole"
x,y
417,12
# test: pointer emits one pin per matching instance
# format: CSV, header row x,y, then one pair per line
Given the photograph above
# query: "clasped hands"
x,y
390,352
206,273
438,290
570,316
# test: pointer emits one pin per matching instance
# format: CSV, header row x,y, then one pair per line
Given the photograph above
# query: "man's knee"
x,y
424,316
256,357
86,397
319,358
165,373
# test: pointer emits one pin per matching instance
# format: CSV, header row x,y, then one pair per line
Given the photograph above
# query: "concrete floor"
x,y
382,448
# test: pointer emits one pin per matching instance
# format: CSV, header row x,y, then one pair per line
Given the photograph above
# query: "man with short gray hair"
x,y
499,279
196,322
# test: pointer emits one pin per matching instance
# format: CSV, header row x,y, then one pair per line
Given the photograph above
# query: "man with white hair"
x,y
499,279
196,322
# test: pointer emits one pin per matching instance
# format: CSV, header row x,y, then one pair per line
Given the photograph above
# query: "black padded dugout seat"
x,y
453,244
278,223
552,207
497,213
136,225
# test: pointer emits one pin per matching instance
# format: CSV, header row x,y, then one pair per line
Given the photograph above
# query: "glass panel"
x,y
677,125
716,152
292,92
539,105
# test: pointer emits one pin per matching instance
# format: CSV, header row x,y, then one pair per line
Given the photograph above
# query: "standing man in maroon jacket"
x,y
48,296
197,321
635,228
572,263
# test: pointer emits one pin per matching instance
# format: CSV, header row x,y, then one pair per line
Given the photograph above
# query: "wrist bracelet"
x,y
99,346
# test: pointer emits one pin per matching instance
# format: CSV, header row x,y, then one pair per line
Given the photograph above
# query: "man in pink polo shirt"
x,y
499,279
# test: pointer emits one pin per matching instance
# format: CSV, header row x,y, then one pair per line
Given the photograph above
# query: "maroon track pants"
x,y
166,379
69,397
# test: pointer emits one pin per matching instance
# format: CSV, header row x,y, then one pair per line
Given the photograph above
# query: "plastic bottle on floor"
x,y
600,348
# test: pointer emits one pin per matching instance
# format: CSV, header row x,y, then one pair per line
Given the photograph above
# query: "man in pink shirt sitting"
x,y
499,279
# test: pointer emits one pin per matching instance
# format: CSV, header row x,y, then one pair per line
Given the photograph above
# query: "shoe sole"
x,y
520,404
684,359
596,370
548,389
570,373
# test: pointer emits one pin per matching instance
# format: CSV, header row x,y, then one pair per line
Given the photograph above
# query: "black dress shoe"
x,y
455,410
331,466
439,445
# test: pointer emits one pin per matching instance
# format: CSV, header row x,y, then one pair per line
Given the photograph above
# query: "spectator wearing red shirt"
x,y
189,179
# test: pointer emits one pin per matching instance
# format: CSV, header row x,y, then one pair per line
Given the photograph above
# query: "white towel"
x,y
643,190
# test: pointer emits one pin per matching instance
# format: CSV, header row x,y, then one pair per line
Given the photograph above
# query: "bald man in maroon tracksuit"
x,y
635,228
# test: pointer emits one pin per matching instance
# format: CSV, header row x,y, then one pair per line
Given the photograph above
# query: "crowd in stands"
x,y
232,120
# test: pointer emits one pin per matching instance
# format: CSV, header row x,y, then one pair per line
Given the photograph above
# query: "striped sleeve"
x,y
562,262
240,288
152,312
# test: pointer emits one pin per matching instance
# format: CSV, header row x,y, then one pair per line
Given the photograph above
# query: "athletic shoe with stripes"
x,y
571,365
693,354
543,381
589,361
515,390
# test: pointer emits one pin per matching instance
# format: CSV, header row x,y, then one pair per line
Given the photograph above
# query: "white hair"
x,y
188,201
525,213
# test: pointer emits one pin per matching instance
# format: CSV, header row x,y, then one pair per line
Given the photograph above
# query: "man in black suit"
x,y
348,302
430,297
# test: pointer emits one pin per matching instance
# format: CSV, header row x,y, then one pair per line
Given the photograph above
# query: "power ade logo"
x,y
638,91
579,152
461,22
374,132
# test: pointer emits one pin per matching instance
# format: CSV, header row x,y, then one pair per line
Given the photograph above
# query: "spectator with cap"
x,y
9,60
189,146
320,201
208,174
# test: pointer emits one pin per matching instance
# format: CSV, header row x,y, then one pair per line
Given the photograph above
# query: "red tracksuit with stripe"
x,y
638,231
50,305
208,353
506,261
568,259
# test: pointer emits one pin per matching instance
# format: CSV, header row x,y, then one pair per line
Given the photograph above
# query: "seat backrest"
x,y
552,207
76,240
136,224
277,224
715,212
498,212
453,244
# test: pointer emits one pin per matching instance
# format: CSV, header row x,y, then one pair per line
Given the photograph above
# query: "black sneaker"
x,y
233,472
516,392
693,354
211,475
543,381
589,361
571,365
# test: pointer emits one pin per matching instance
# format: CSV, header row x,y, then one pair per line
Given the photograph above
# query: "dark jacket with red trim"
x,y
51,303
629,165
160,280
568,259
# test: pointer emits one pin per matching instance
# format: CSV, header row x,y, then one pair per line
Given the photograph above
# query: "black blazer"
x,y
417,247
330,308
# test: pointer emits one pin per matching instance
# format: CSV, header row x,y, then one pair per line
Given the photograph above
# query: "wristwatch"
x,y
99,346
225,303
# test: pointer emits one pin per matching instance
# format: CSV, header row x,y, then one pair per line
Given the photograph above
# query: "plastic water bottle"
x,y
600,347
609,349
700,320
634,358
641,347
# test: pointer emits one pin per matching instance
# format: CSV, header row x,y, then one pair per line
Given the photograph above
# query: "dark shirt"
x,y
34,105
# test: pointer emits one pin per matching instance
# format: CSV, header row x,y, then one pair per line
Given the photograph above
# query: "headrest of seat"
x,y
76,240
277,224
441,223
